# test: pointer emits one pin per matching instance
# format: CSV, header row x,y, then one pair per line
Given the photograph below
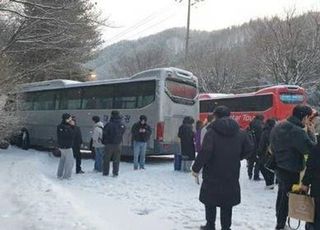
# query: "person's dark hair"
x,y
210,117
188,120
143,117
115,114
301,111
199,124
96,119
259,117
221,111
65,116
270,123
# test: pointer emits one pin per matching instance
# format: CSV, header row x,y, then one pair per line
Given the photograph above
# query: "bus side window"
x,y
91,104
70,99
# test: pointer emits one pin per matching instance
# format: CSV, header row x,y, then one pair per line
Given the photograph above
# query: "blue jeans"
x,y
98,159
139,154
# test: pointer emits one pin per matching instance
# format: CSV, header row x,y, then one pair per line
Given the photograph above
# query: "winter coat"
x,y
97,135
113,131
289,143
141,136
77,137
312,174
256,125
264,144
223,147
186,136
65,135
198,140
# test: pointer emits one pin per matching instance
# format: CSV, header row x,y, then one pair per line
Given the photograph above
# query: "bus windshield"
x,y
181,90
291,98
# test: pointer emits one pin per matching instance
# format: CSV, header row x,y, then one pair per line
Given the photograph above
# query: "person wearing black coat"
x,y
187,135
290,141
141,133
224,146
112,138
65,137
77,142
264,153
312,177
255,126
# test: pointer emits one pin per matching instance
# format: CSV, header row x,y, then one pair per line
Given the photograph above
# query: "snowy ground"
x,y
31,198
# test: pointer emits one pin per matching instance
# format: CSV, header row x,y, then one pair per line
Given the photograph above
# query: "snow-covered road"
x,y
31,198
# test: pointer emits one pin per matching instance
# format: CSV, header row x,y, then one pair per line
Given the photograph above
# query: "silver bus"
x,y
164,95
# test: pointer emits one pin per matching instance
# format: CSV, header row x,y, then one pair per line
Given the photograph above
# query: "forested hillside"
x,y
236,59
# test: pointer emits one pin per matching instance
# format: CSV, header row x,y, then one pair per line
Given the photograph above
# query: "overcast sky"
x,y
138,18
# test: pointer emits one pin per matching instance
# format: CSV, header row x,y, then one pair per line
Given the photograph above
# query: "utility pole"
x,y
188,30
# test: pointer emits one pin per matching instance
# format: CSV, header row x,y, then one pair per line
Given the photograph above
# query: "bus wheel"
x,y
25,142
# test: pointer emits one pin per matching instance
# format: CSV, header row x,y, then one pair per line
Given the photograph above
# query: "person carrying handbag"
x,y
312,178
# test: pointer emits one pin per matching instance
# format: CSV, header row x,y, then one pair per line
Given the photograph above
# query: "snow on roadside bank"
x,y
156,198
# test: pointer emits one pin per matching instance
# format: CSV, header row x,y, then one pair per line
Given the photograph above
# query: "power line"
x,y
140,23
153,25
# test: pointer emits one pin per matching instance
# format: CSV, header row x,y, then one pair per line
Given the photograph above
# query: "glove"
x,y
304,188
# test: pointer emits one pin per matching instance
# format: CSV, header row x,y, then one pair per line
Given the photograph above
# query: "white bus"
x,y
164,95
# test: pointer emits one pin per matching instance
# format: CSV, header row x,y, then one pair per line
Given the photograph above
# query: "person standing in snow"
x,y
223,147
264,153
112,138
141,133
186,135
97,143
290,141
256,127
77,142
312,178
65,137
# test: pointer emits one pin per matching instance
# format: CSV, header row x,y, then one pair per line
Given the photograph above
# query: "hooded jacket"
x,y
97,135
187,136
289,143
264,143
65,135
223,147
113,131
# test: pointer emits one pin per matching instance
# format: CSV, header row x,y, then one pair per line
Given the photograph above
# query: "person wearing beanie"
x,y
290,140
141,133
112,138
65,137
223,147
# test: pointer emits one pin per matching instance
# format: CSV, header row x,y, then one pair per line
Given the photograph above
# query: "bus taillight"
x,y
160,131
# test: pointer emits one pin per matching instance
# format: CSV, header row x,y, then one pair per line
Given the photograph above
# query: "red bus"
x,y
273,102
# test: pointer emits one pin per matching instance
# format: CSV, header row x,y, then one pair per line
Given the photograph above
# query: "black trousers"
x,y
316,224
267,175
77,156
225,217
112,152
286,180
253,165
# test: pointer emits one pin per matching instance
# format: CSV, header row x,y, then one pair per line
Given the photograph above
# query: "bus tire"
x,y
25,141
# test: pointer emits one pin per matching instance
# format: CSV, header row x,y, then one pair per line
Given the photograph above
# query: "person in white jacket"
x,y
97,143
